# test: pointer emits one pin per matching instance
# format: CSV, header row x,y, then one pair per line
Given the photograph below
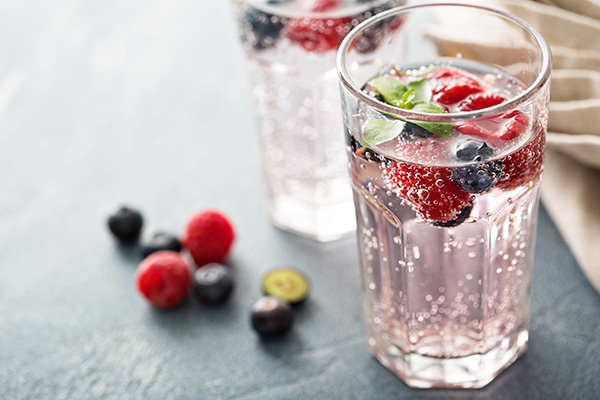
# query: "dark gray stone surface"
x,y
145,102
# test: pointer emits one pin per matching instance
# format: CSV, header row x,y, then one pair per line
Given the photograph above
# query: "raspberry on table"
x,y
163,278
208,237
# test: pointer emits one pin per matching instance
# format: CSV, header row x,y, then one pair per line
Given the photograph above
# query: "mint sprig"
x,y
378,131
414,96
442,129
400,95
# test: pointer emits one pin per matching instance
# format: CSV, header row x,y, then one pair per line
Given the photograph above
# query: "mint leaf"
x,y
414,96
442,129
391,89
422,90
378,131
408,97
428,108
400,95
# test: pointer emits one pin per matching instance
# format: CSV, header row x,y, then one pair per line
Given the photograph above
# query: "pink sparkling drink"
x,y
290,48
446,156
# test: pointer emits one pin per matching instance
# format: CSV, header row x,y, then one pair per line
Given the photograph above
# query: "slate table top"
x,y
146,103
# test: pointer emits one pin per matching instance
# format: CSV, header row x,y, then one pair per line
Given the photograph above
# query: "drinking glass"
x,y
290,48
445,124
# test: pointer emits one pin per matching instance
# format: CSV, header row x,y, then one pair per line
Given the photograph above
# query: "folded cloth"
x,y
584,7
571,194
571,186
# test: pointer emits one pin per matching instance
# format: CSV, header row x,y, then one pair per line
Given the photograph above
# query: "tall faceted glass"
x,y
290,48
445,125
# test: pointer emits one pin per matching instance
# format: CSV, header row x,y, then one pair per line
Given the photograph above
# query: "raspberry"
x,y
449,85
525,165
518,122
163,278
430,190
318,35
480,101
208,237
325,5
503,127
461,217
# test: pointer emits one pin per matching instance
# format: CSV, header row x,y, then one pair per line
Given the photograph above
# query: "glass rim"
x,y
541,79
340,13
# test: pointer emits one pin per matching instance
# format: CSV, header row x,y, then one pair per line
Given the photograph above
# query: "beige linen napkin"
x,y
571,186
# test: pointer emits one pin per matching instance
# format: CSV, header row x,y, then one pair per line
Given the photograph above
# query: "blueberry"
x,y
213,283
351,141
479,177
412,132
271,316
160,240
372,37
474,150
364,152
126,224
461,217
260,29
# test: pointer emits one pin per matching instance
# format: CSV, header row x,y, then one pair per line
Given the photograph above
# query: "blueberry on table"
x,y
212,283
260,29
287,284
271,316
126,224
479,177
159,240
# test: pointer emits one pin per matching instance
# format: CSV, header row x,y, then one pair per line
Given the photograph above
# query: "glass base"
x,y
323,223
473,371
